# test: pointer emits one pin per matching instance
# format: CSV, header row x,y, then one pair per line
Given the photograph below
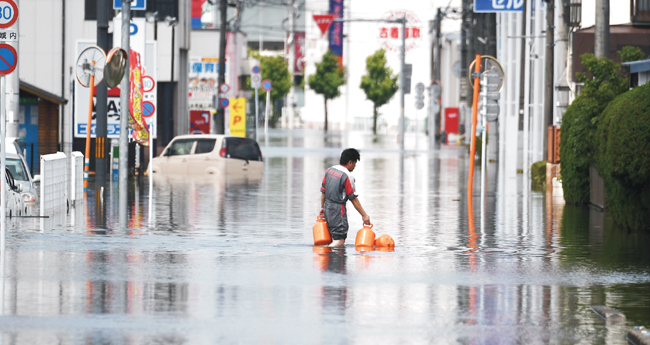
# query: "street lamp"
x,y
172,21
152,17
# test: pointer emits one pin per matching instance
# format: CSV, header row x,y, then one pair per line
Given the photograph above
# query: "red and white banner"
x,y
299,49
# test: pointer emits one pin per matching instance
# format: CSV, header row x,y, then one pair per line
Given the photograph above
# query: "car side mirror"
x,y
19,188
37,178
166,153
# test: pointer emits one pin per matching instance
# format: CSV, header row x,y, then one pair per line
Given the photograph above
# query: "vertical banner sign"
x,y
197,13
299,49
336,31
136,120
238,117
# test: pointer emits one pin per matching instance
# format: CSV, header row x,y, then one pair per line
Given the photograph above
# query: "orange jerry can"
x,y
365,237
321,234
384,241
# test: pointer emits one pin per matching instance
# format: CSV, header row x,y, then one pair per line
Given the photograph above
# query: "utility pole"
x,y
101,119
220,125
548,69
601,35
291,44
124,118
436,73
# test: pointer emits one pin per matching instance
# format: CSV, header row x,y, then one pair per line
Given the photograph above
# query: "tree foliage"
x,y
275,69
602,83
328,79
630,53
379,83
623,157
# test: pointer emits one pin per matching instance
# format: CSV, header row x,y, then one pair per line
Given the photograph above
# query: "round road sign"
x,y
148,109
8,13
256,69
224,102
267,85
223,88
147,84
8,59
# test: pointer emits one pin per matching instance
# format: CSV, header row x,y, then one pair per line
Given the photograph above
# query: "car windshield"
x,y
243,148
181,147
17,169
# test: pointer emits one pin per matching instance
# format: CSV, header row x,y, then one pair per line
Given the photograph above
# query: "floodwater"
x,y
224,262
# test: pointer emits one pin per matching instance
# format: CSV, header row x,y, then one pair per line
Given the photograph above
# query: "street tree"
x,y
327,80
275,69
379,84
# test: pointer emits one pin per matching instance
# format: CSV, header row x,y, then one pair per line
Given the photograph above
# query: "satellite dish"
x,y
488,63
115,67
90,62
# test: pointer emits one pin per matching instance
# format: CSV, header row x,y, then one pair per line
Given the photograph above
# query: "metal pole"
x,y
402,87
292,62
548,71
124,117
150,175
3,183
437,76
267,113
601,42
89,127
483,146
527,87
257,120
472,150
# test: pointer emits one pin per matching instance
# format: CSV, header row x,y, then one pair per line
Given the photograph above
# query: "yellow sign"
x,y
238,117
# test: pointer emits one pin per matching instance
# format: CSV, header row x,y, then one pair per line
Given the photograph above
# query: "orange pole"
x,y
88,129
472,150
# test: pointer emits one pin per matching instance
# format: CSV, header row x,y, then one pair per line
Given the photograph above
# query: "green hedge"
x,y
538,176
623,158
579,123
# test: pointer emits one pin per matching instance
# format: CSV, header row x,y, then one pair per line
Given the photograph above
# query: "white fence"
x,y
53,190
76,177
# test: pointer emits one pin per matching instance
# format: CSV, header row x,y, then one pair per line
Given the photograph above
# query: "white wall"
x,y
619,12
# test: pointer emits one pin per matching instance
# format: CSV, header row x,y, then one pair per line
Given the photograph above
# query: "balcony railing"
x,y
640,11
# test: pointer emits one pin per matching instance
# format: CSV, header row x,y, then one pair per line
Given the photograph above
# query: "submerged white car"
x,y
18,168
210,155
15,204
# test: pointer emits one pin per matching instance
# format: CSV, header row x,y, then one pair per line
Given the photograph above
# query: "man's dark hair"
x,y
349,155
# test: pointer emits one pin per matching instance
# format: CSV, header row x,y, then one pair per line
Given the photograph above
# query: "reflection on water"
x,y
231,261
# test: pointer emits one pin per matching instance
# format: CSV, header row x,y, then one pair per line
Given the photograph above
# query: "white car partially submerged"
x,y
210,155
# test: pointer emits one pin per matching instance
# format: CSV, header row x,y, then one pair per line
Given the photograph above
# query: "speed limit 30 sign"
x,y
8,13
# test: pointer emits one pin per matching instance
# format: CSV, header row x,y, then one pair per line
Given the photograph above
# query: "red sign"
x,y
299,49
451,120
199,122
323,21
390,34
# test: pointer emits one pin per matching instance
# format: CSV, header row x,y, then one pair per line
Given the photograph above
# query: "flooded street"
x,y
232,261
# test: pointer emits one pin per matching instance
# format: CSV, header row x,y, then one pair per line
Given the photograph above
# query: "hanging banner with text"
x,y
336,31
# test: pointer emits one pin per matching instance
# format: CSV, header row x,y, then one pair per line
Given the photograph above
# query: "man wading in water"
x,y
338,187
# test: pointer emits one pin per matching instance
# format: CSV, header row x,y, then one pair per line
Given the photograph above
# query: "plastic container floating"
x,y
365,237
321,233
385,241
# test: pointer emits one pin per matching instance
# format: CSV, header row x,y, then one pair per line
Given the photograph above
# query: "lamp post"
x,y
152,17
172,21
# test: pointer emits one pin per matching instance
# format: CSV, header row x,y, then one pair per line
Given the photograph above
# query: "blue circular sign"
x,y
134,29
267,85
224,102
148,109
256,69
8,59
